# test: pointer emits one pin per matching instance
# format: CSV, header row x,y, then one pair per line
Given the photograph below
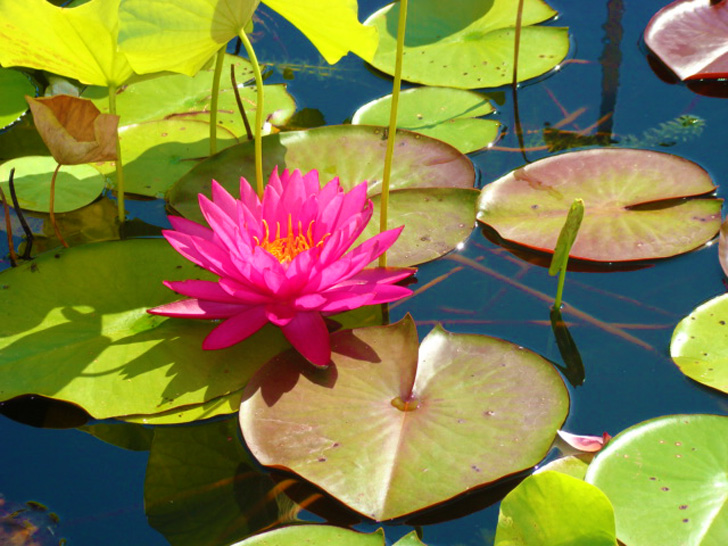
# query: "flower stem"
x,y
118,163
51,205
392,131
258,113
213,101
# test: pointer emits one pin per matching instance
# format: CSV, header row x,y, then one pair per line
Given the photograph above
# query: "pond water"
x,y
98,489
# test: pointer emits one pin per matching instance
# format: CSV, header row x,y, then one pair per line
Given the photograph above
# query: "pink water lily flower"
x,y
283,261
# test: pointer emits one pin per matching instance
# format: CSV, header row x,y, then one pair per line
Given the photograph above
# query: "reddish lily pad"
x,y
355,154
689,36
389,431
633,199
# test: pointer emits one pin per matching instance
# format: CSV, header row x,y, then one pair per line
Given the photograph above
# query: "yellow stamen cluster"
x,y
292,244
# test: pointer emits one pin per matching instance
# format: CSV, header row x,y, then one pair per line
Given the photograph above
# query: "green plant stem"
x,y
258,113
392,132
51,204
214,99
9,230
118,163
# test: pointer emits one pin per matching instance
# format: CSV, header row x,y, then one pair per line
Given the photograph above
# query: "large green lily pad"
x,y
157,153
356,153
202,488
14,86
699,344
633,199
74,326
177,95
469,47
450,115
667,481
457,412
76,185
319,535
554,508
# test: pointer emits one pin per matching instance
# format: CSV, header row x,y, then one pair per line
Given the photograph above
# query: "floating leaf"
x,y
14,86
157,153
180,96
471,46
108,354
410,539
74,130
450,115
544,509
123,435
320,535
689,37
572,465
667,480
468,410
723,247
355,154
76,185
202,488
78,42
633,199
699,344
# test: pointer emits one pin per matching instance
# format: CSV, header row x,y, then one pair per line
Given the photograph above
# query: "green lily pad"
x,y
14,86
202,488
354,154
667,481
633,199
319,535
545,508
78,42
469,47
76,185
124,435
410,539
699,344
571,465
157,153
74,326
181,96
450,115
467,411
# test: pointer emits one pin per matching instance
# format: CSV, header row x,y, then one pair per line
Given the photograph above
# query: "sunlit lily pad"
x,y
689,37
471,46
76,185
157,153
323,535
74,326
545,508
177,95
14,86
355,154
667,481
450,115
467,411
202,488
633,200
699,344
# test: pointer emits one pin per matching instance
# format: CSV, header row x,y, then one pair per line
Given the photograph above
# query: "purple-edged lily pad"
x,y
392,427
634,200
689,36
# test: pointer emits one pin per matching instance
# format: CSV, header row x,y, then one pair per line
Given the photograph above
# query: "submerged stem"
x,y
214,99
392,131
258,114
51,205
9,229
118,163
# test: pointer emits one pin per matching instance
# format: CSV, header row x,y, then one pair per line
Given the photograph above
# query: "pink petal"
x,y
235,329
308,334
204,290
249,198
223,225
379,275
226,202
188,227
200,309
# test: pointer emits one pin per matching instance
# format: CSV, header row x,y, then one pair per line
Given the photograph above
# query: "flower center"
x,y
292,244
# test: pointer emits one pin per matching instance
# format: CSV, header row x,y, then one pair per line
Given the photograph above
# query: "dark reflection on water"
x,y
625,314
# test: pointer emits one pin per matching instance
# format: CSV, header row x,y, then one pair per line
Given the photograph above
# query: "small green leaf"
x,y
567,236
14,86
318,535
551,508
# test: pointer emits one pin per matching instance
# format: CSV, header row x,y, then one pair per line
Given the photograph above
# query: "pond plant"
x,y
341,405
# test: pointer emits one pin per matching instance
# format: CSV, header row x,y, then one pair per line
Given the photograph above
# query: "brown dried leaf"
x,y
74,130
